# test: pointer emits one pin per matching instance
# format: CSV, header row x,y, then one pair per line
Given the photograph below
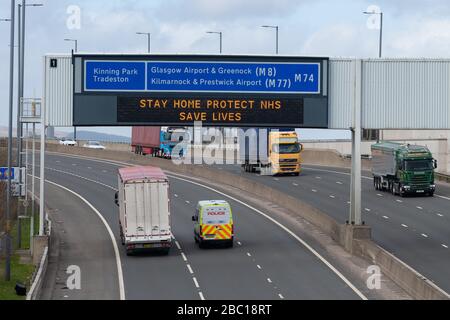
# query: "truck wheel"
x,y
431,194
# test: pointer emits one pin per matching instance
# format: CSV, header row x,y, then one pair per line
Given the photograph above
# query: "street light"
x,y
276,28
220,37
8,188
21,9
75,41
148,38
381,29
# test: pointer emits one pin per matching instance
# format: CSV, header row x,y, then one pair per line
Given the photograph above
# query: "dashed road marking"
x,y
313,190
404,226
195,282
178,245
258,266
295,184
248,253
74,164
89,168
318,178
445,246
269,280
188,202
338,182
239,243
420,208
281,296
183,256
379,194
398,200
367,209
386,217
176,196
202,297
190,268
276,179
332,197
440,215
424,235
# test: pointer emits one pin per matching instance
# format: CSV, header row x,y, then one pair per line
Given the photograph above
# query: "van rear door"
x,y
147,209
216,222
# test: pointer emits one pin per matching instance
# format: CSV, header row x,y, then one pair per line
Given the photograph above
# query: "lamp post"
x,y
381,30
10,119
276,35
21,10
220,37
75,41
148,39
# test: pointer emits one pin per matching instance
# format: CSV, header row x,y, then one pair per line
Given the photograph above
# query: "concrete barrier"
x,y
355,239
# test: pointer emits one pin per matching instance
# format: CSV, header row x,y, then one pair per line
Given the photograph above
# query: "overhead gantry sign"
x,y
237,91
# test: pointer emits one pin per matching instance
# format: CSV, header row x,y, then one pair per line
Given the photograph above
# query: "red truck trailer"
x,y
145,140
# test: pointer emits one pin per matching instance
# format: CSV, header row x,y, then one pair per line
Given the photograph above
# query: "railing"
x,y
442,176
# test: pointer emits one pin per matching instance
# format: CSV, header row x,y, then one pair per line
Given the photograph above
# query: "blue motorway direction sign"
x,y
4,173
217,90
203,76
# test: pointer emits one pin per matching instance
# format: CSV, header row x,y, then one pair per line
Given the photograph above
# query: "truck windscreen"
x,y
286,148
414,165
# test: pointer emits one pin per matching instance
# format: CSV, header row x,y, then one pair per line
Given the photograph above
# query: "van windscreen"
x,y
216,215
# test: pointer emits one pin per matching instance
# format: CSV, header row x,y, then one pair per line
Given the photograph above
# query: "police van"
x,y
213,223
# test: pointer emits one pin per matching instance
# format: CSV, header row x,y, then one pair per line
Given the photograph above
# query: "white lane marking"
x,y
276,179
258,266
338,182
442,197
313,190
332,197
337,172
57,161
188,202
239,243
295,184
420,208
190,268
296,237
399,201
176,196
104,171
385,217
74,164
367,209
404,226
424,235
445,246
318,178
348,202
81,177
269,280
202,297
178,245
440,215
248,253
183,256
281,296
116,249
195,282
379,194
89,168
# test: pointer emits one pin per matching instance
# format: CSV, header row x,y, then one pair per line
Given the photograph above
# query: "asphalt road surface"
x,y
266,262
415,229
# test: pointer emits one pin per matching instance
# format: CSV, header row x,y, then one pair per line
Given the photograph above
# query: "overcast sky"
x,y
412,28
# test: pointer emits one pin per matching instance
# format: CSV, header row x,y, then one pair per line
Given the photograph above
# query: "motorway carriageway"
x,y
415,229
266,262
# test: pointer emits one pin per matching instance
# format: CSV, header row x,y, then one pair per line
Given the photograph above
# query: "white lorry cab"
x,y
144,209
213,223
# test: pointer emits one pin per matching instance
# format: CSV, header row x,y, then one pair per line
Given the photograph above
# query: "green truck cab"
x,y
403,168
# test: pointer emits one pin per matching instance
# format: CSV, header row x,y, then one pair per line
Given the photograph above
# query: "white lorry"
x,y
144,209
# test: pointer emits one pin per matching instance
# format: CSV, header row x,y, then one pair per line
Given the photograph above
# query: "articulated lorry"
x,y
157,141
403,169
144,209
270,151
